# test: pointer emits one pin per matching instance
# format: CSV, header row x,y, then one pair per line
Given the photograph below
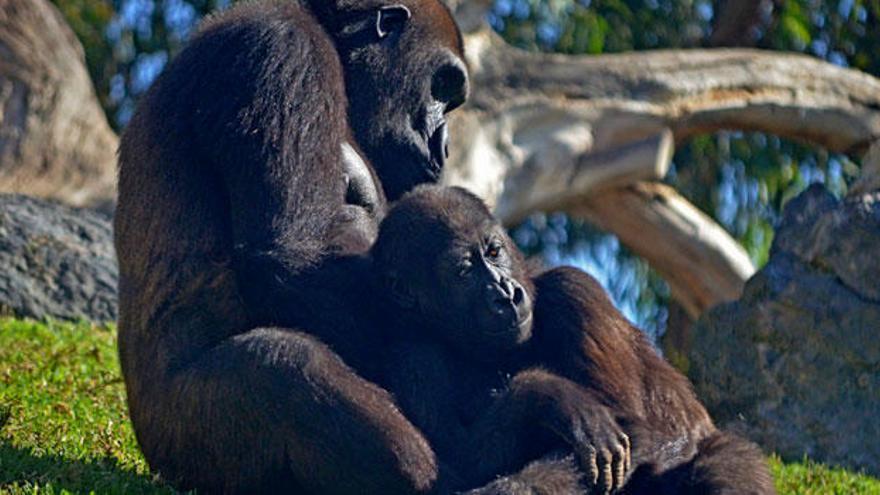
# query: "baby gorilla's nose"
x,y
498,296
506,298
518,295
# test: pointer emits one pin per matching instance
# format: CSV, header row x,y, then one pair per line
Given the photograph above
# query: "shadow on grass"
x,y
21,469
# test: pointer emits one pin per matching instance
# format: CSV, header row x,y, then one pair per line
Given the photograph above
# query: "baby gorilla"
x,y
461,364
499,365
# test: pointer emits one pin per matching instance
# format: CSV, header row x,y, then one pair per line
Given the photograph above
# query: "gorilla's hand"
x,y
352,231
356,224
575,417
601,446
360,185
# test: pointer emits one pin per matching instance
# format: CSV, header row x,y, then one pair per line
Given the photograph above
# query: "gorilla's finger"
x,y
591,465
628,446
606,478
619,466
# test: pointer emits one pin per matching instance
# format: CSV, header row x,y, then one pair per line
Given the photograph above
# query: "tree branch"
x,y
534,120
701,262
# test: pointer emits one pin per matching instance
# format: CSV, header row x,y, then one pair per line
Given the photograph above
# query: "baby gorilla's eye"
x,y
493,251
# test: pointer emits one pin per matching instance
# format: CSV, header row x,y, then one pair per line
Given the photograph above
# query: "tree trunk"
x,y
54,138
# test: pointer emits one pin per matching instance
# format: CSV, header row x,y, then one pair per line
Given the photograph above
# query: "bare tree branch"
x,y
701,262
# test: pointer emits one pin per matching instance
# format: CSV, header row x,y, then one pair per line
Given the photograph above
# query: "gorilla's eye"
x,y
390,19
493,251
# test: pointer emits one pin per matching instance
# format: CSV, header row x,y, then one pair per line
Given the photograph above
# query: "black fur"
x,y
237,210
489,401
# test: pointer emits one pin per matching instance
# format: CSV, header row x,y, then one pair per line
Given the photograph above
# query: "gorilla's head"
x,y
449,268
404,70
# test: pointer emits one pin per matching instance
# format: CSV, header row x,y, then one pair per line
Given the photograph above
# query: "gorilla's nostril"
x,y
518,296
449,84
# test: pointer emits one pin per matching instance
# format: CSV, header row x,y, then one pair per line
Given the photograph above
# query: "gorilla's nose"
x,y
507,297
449,84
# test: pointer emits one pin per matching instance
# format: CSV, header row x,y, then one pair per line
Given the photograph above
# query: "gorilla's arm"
x,y
676,447
584,338
538,414
541,413
419,375
355,225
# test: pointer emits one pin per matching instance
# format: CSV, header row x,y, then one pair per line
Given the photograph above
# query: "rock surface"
x,y
55,141
795,363
56,261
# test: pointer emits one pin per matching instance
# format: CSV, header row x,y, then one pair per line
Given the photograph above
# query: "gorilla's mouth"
x,y
436,138
523,321
438,146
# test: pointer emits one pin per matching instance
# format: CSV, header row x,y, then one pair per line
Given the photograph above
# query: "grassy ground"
x,y
64,429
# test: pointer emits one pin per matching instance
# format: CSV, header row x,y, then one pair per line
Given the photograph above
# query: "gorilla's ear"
x,y
391,18
399,291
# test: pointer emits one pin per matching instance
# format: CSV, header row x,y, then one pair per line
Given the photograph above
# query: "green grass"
x,y
63,422
64,428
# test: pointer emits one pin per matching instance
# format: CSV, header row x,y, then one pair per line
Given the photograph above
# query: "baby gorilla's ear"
x,y
399,291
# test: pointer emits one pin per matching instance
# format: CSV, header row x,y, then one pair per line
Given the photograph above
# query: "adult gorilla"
x,y
240,182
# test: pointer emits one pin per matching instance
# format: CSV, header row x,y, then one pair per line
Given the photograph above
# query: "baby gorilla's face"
x,y
477,284
451,268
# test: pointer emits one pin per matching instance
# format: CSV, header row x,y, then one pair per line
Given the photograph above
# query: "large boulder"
x,y
56,261
55,141
795,363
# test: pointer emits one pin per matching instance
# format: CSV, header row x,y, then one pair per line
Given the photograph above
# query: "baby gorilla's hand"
x,y
353,230
572,415
602,448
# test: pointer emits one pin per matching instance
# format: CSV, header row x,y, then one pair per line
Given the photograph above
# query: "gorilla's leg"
x,y
724,464
274,408
728,465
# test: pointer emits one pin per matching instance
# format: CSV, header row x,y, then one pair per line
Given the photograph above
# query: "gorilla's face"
x,y
453,272
477,285
404,72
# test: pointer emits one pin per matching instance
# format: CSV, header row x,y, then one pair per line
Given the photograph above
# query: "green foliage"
x,y
89,20
64,426
793,26
601,26
843,32
127,43
743,180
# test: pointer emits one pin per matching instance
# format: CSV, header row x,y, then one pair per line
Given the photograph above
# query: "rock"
x,y
55,141
56,261
795,363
